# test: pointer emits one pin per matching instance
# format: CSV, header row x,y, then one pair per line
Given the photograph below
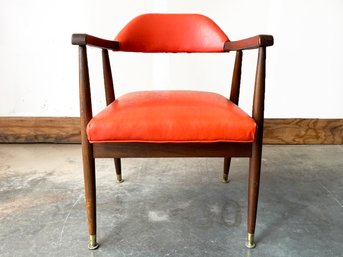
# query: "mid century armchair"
x,y
155,123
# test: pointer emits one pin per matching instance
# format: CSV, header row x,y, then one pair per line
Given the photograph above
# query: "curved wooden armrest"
x,y
249,43
84,39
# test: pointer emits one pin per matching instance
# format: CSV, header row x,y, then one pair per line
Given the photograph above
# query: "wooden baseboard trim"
x,y
67,130
40,130
303,131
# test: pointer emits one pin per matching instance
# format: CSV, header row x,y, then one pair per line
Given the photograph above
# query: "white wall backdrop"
x,y
38,65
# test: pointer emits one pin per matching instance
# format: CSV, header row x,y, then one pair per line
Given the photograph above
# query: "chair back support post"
x,y
108,79
87,148
236,78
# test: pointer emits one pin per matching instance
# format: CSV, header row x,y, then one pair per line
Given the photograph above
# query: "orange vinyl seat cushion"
x,y
171,117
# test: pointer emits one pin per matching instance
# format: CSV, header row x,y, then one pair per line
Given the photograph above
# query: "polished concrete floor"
x,y
171,207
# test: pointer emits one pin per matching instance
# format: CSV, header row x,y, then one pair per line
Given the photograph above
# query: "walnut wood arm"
x,y
84,39
249,43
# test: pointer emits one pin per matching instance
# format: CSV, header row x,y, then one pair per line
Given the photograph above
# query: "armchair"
x,y
154,123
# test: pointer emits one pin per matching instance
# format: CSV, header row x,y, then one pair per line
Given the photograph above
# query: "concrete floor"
x,y
171,207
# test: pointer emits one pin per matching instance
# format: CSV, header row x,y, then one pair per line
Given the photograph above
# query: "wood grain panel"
x,y
67,130
39,130
303,131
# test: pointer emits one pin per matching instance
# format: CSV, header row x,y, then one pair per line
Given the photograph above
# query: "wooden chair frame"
x,y
90,151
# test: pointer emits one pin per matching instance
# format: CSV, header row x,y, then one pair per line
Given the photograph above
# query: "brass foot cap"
x,y
250,245
250,241
92,244
93,247
120,179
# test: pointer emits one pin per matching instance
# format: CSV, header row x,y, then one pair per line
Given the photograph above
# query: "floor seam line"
x,y
331,194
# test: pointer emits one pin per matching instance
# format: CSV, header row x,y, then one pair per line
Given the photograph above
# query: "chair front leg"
x,y
253,191
90,193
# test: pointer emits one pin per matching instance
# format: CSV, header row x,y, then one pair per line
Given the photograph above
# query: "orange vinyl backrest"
x,y
171,33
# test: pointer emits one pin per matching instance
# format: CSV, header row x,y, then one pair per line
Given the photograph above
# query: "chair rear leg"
x,y
117,164
227,162
90,193
253,191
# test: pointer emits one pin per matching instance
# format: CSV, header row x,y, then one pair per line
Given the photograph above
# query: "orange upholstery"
x,y
171,116
171,33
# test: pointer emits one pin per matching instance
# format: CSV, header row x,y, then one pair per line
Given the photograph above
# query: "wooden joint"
x,y
266,40
79,39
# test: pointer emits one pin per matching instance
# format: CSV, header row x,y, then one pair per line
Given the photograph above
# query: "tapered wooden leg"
x,y
87,148
90,193
117,164
227,162
254,182
255,160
